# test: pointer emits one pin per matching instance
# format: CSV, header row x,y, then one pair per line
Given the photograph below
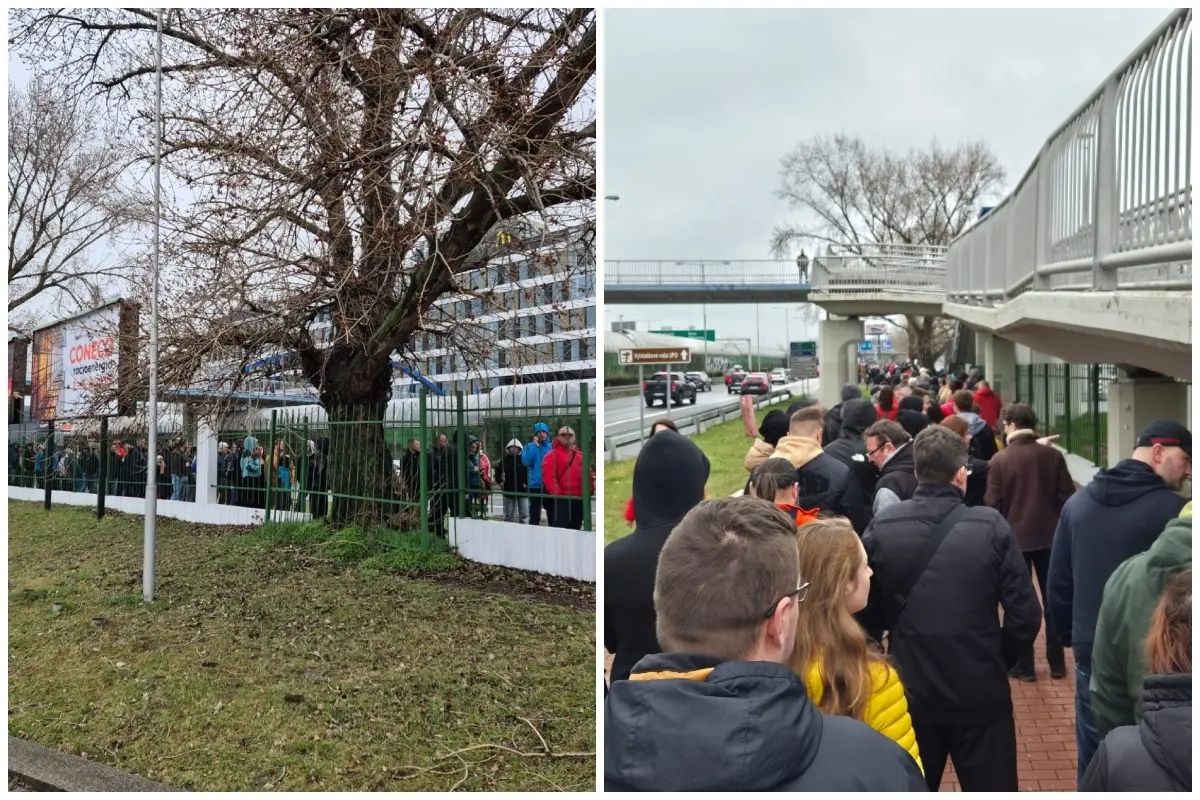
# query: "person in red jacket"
x,y
989,404
888,406
562,476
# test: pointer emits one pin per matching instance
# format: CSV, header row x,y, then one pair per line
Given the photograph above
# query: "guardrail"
x,y
614,392
700,421
1107,203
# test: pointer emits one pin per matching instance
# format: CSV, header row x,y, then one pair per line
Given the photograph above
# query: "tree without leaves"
x,y
859,194
64,199
344,162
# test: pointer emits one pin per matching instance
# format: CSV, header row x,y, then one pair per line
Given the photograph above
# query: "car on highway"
x,y
733,379
672,385
701,381
778,376
756,383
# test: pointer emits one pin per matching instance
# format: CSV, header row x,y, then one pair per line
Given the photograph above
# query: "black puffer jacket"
x,y
850,449
833,418
739,726
898,477
668,480
825,483
1156,754
950,648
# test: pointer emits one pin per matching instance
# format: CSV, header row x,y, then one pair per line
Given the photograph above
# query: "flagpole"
x,y
151,530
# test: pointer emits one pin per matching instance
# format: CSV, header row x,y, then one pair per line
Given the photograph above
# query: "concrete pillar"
x,y
1133,403
999,359
206,463
837,349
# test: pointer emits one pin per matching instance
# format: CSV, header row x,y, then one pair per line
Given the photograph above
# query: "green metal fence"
x,y
414,464
1070,400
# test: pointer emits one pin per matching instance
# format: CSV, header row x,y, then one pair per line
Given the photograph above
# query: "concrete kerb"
x,y
46,770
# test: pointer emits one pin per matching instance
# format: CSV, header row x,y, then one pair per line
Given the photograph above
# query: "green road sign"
x,y
691,334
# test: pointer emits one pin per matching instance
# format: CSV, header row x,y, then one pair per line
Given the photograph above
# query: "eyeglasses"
x,y
800,592
871,453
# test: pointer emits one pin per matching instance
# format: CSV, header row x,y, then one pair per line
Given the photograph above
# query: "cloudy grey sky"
x,y
699,106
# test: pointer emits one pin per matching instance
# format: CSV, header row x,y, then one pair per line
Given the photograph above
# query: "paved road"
x,y
621,414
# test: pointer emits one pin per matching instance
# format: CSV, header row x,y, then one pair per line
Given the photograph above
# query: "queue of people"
x,y
883,655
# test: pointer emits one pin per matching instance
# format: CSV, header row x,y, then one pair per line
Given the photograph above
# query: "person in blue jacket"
x,y
532,457
1115,517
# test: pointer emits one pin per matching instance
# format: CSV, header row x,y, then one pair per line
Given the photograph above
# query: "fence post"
x,y
47,459
1094,411
1067,437
269,467
304,467
460,422
423,426
102,473
585,432
1046,387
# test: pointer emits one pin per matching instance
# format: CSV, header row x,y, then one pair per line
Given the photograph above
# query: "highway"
x,y
621,415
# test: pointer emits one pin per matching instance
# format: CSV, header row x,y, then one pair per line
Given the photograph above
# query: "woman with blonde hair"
x,y
842,674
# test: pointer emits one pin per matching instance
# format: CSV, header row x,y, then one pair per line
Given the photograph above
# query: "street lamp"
x,y
802,264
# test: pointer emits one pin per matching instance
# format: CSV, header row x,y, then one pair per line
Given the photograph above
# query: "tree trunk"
x,y
360,470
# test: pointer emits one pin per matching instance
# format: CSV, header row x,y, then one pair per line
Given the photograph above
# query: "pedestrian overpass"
x,y
1088,259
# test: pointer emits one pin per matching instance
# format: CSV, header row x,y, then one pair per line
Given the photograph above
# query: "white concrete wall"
x,y
201,513
551,551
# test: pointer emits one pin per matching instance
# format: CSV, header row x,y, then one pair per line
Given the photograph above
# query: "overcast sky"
x,y
699,106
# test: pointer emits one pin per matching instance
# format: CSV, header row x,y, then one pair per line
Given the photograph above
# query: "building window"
x,y
558,351
589,316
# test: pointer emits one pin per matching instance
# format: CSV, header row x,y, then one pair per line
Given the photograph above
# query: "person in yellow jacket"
x,y
843,675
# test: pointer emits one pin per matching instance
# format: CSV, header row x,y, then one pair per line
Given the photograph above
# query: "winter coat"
x,y
912,421
562,471
176,463
759,452
410,471
688,723
824,482
1130,597
1116,516
669,477
897,479
989,406
887,707
1156,754
890,413
803,516
850,449
1029,483
949,645
251,467
534,455
443,468
983,437
514,475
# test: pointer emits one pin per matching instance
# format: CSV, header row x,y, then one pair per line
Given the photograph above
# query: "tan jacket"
x,y
759,452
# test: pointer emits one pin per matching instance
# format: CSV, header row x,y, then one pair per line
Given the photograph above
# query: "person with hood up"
x,y
1156,754
776,480
1116,516
774,427
983,436
532,456
989,404
513,477
665,424
849,449
562,477
668,480
824,482
889,448
1130,596
833,418
911,415
252,473
720,709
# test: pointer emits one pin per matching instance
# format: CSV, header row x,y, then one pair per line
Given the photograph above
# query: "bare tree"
x,y
64,196
852,193
343,164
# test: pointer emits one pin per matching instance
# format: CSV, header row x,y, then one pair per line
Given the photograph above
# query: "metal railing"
x,y
1107,204
743,272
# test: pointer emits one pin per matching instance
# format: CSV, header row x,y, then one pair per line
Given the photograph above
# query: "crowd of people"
x,y
75,466
853,621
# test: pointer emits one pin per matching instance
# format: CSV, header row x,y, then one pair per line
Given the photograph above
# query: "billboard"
x,y
85,366
875,328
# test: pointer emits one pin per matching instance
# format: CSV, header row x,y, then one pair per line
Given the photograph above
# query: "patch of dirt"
x,y
535,586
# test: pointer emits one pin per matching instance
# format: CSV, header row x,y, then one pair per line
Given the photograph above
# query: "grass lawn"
x,y
272,664
725,445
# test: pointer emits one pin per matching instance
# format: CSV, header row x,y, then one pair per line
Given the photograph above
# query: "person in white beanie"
x,y
514,481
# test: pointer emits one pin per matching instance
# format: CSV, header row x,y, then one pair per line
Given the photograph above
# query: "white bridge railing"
x,y
1107,204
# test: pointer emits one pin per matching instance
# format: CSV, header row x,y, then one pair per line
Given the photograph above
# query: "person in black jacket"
x,y
443,483
513,477
983,436
912,415
833,418
720,710
668,480
889,448
849,448
1156,754
949,646
1115,517
410,469
824,483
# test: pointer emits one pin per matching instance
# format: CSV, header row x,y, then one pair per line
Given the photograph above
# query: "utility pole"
x,y
151,529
